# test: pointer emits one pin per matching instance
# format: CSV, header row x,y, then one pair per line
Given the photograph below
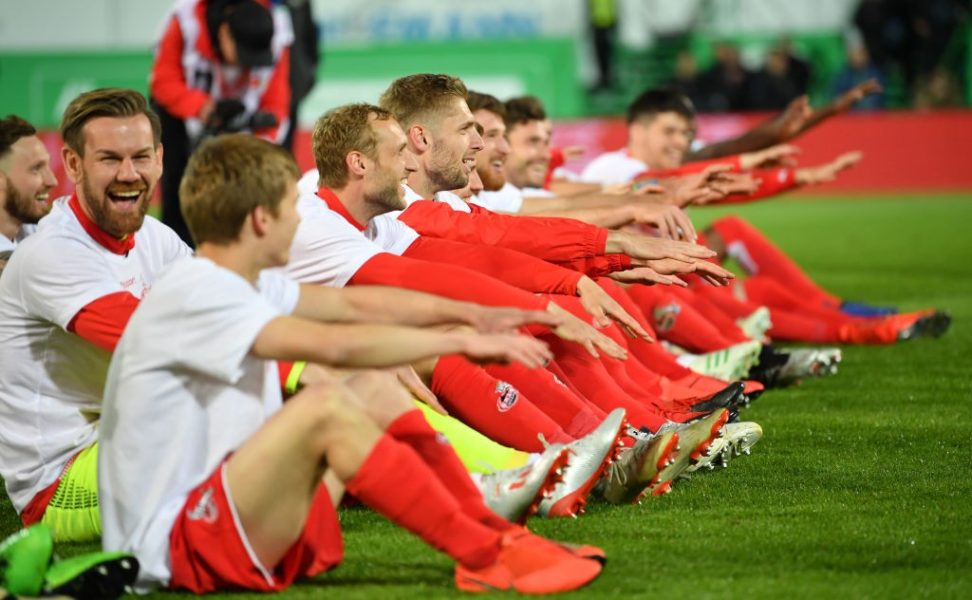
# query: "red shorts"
x,y
209,551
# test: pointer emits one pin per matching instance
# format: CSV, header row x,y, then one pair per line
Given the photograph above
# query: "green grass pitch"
x,y
861,487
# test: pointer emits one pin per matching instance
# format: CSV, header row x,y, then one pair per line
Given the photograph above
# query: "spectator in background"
x,y
305,58
686,77
775,85
940,89
604,23
799,71
724,85
221,65
859,69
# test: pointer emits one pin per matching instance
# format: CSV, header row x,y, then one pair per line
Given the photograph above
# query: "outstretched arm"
x,y
389,305
371,346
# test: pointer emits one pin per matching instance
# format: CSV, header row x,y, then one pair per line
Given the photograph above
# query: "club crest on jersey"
x,y
665,316
205,510
506,396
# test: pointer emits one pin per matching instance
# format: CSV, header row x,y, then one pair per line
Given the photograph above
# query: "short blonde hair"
x,y
417,97
345,129
226,178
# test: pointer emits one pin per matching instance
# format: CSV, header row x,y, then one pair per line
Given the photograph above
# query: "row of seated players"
x,y
172,447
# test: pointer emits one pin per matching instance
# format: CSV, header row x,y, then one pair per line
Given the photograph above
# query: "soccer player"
x,y
660,129
65,296
250,504
27,180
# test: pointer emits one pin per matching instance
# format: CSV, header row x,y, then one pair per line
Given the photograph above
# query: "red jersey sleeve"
x,y
167,82
599,266
771,183
557,160
515,268
692,167
548,238
102,321
444,280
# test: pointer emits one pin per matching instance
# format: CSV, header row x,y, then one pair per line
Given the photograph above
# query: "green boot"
x,y
24,558
94,576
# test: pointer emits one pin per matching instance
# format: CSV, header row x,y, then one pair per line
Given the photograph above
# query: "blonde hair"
x,y
226,178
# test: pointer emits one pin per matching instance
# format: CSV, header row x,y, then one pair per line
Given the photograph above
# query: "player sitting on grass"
x,y
660,125
214,483
27,179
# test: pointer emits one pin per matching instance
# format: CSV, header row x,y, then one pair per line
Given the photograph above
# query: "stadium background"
x,y
861,486
50,50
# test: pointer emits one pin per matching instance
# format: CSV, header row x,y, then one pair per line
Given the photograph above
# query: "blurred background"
x,y
739,60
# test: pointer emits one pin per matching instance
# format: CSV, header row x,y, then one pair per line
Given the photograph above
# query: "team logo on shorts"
x,y
665,316
506,396
205,510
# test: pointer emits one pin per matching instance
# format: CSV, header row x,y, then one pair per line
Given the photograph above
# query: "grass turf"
x,y
861,487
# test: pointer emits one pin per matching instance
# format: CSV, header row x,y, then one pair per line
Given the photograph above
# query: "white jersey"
x,y
329,250
508,199
454,201
612,168
307,184
51,381
8,245
183,392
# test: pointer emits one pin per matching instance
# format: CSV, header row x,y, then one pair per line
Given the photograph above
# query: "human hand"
x,y
600,305
774,156
827,172
575,330
505,348
671,221
501,319
848,99
413,383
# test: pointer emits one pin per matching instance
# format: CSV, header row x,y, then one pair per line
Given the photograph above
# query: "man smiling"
x,y
66,295
26,170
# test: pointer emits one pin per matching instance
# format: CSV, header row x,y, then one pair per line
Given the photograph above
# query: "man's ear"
x,y
259,220
419,139
72,164
356,163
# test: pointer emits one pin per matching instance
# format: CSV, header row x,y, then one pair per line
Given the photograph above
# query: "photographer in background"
x,y
221,66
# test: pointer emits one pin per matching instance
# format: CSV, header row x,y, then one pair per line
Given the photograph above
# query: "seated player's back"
x,y
183,392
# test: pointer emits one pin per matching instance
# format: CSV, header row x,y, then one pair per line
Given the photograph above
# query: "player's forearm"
x,y
609,217
353,346
382,304
757,138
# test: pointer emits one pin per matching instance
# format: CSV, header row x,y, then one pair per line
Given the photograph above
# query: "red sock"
x,y
769,292
395,482
411,428
712,313
593,380
552,397
491,406
757,254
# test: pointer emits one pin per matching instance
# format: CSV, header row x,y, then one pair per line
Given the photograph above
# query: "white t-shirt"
x,y
612,168
183,391
22,233
51,381
508,199
454,201
307,184
328,250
